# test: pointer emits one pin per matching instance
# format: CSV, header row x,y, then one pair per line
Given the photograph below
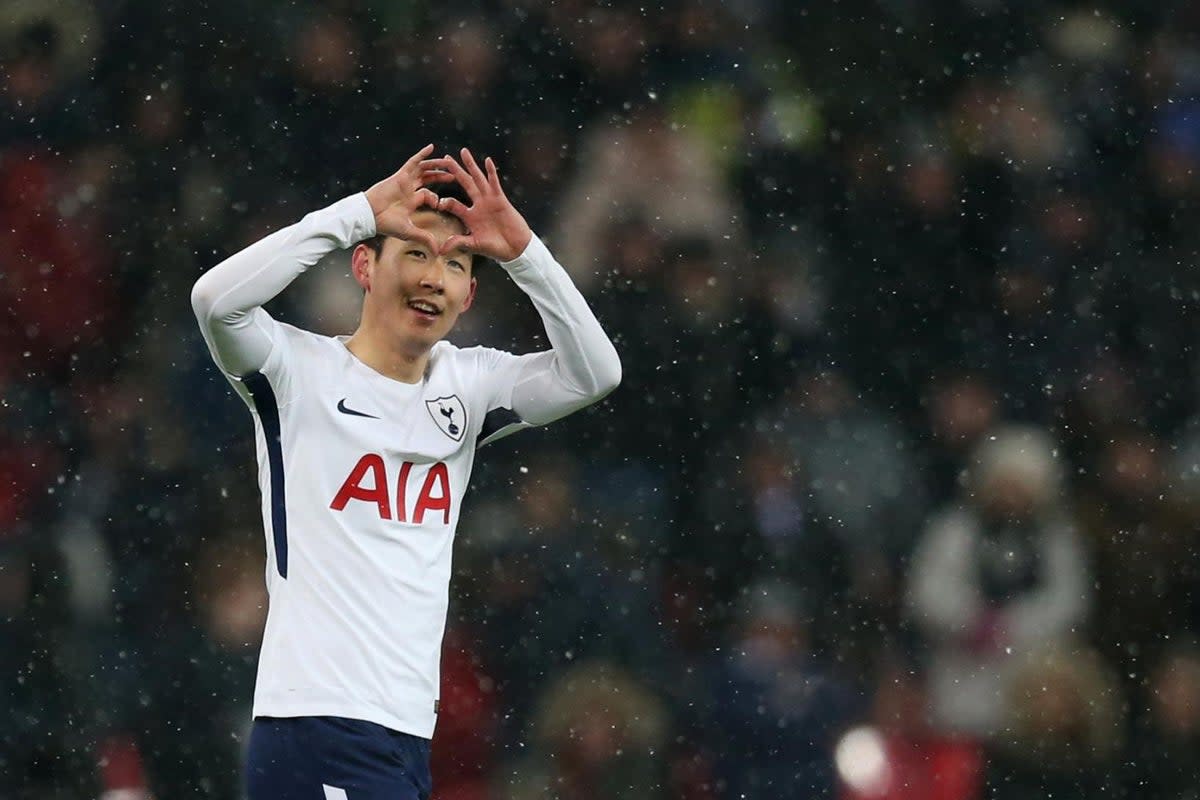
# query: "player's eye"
x,y
416,253
458,265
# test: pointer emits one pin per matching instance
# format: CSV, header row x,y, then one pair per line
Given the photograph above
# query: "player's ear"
x,y
361,261
470,295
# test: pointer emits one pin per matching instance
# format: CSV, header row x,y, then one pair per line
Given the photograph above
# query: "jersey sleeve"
x,y
581,367
242,337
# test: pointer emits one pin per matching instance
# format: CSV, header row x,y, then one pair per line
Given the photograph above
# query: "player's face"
x,y
419,292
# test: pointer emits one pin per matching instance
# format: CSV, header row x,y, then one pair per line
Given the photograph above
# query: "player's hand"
x,y
495,228
396,198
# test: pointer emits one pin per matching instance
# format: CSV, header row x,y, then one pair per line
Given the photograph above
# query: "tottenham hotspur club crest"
x,y
450,416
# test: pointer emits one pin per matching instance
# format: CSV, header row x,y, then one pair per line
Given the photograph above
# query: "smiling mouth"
x,y
424,307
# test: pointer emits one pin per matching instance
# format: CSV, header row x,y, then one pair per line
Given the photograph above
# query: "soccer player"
x,y
365,445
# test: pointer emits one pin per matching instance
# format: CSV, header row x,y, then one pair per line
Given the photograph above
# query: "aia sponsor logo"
x,y
368,482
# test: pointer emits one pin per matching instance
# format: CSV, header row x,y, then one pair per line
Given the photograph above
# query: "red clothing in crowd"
x,y
462,750
56,283
924,768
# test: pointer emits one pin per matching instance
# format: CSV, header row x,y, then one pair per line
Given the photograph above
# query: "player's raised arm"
x,y
228,298
582,365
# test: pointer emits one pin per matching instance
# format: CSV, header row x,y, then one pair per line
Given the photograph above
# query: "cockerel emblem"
x,y
449,414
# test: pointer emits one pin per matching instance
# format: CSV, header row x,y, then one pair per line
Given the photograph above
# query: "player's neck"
x,y
388,360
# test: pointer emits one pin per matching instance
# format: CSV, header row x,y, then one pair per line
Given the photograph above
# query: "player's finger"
x,y
437,176
494,178
492,175
457,242
420,155
426,238
428,198
446,163
473,168
462,176
453,206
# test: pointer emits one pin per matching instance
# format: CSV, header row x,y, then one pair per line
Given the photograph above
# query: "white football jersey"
x,y
362,481
362,476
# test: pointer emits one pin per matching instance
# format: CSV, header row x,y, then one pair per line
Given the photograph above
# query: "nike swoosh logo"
x,y
341,406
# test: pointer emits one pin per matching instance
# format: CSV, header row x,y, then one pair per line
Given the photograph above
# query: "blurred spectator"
x,y
697,42
783,315
539,152
900,755
597,735
29,460
553,594
695,395
858,462
643,168
1030,343
961,408
995,577
313,104
1063,729
1168,738
47,50
776,710
463,753
1104,401
213,654
768,523
44,751
1144,542
635,308
612,48
57,292
466,94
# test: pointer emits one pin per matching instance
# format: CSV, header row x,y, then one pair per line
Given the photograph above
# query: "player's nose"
x,y
434,275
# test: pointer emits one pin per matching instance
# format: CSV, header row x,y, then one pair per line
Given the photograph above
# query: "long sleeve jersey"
x,y
362,476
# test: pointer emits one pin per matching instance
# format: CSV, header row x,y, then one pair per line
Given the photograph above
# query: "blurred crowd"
x,y
899,496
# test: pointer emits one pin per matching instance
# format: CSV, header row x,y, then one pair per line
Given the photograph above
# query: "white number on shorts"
x,y
334,793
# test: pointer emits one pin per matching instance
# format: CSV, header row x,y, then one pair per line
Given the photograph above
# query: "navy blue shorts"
x,y
331,758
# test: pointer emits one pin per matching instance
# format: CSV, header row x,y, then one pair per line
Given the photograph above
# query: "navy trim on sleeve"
x,y
498,423
268,411
497,419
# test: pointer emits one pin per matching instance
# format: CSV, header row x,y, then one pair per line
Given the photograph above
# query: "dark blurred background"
x,y
898,498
